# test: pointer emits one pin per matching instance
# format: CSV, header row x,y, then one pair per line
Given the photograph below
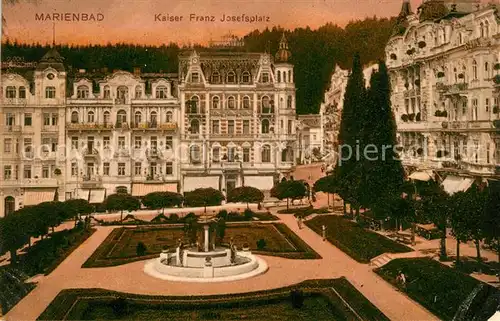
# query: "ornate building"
x,y
444,64
237,118
310,138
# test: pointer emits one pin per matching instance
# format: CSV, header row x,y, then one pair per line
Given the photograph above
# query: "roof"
x,y
52,59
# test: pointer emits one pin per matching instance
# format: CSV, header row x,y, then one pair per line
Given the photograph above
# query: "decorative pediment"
x,y
12,78
122,78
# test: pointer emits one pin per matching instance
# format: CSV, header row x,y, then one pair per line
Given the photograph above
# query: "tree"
x,y
458,219
53,213
121,202
191,227
245,194
203,197
12,235
157,200
289,190
491,226
220,230
327,184
76,207
475,214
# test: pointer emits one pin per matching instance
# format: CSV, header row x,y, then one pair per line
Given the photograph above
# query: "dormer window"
x,y
231,77
161,92
245,77
216,78
10,92
82,92
107,92
22,92
265,77
195,77
138,92
50,92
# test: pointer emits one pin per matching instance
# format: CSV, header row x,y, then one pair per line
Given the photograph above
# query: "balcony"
x,y
91,181
14,102
13,128
154,178
50,128
123,126
170,126
468,125
122,152
153,153
88,126
454,89
120,101
91,153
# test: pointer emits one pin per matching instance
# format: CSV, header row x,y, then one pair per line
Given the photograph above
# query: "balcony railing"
x,y
14,101
91,181
89,126
13,128
50,128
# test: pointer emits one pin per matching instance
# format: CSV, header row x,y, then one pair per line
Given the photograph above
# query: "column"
x,y
205,244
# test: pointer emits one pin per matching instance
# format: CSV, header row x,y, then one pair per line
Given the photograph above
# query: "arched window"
x,y
161,92
169,117
137,117
231,77
122,94
481,29
231,102
266,105
195,126
9,205
138,92
265,126
245,77
474,69
121,118
107,117
74,117
284,76
279,76
246,102
90,117
216,78
107,92
290,76
289,102
266,154
153,118
486,28
10,92
82,92
22,92
193,105
194,154
486,70
215,102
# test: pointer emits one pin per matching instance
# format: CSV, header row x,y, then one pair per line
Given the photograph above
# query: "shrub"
x,y
140,249
261,244
174,217
119,306
297,298
496,110
222,214
497,79
411,117
190,215
248,214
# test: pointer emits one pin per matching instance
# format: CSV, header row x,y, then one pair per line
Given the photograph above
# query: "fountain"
x,y
196,264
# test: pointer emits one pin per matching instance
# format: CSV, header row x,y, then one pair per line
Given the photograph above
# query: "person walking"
x,y
323,229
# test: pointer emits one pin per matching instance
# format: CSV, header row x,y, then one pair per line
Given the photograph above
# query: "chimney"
x,y
137,71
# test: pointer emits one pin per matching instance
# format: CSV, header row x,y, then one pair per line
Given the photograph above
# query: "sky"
x,y
140,21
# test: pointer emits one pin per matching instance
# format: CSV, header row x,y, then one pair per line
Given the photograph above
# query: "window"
x,y
82,92
231,152
27,171
195,126
7,145
290,76
107,92
486,28
107,117
474,69
486,70
265,77
45,171
121,142
74,142
105,169
137,142
169,142
246,102
216,78
153,118
53,144
215,102
230,102
121,118
154,143
74,169
161,92
284,76
245,77
474,109
216,155
10,92
195,77
27,145
246,155
7,172
266,105
194,154
90,117
27,119
169,168
289,102
121,169
230,127
22,92
290,126
193,105
481,30
246,126
46,119
279,76
137,117
121,94
106,142
54,119
488,153
74,117
266,154
215,127
138,92
137,168
265,126
50,92
168,117
9,119
231,78
487,105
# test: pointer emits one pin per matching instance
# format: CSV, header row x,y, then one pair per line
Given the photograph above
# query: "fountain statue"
x,y
205,263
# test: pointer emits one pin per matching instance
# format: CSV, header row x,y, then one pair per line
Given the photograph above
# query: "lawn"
x,y
120,246
322,300
437,287
357,242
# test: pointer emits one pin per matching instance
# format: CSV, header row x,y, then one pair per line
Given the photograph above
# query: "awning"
x,y
453,184
421,176
144,189
97,195
37,196
83,194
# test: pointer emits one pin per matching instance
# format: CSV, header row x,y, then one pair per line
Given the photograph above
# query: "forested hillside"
x,y
314,54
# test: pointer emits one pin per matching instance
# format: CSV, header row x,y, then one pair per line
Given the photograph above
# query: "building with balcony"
x,y
237,118
32,132
310,138
444,65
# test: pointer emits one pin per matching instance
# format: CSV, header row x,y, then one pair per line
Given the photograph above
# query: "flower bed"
x,y
438,288
320,302
357,242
